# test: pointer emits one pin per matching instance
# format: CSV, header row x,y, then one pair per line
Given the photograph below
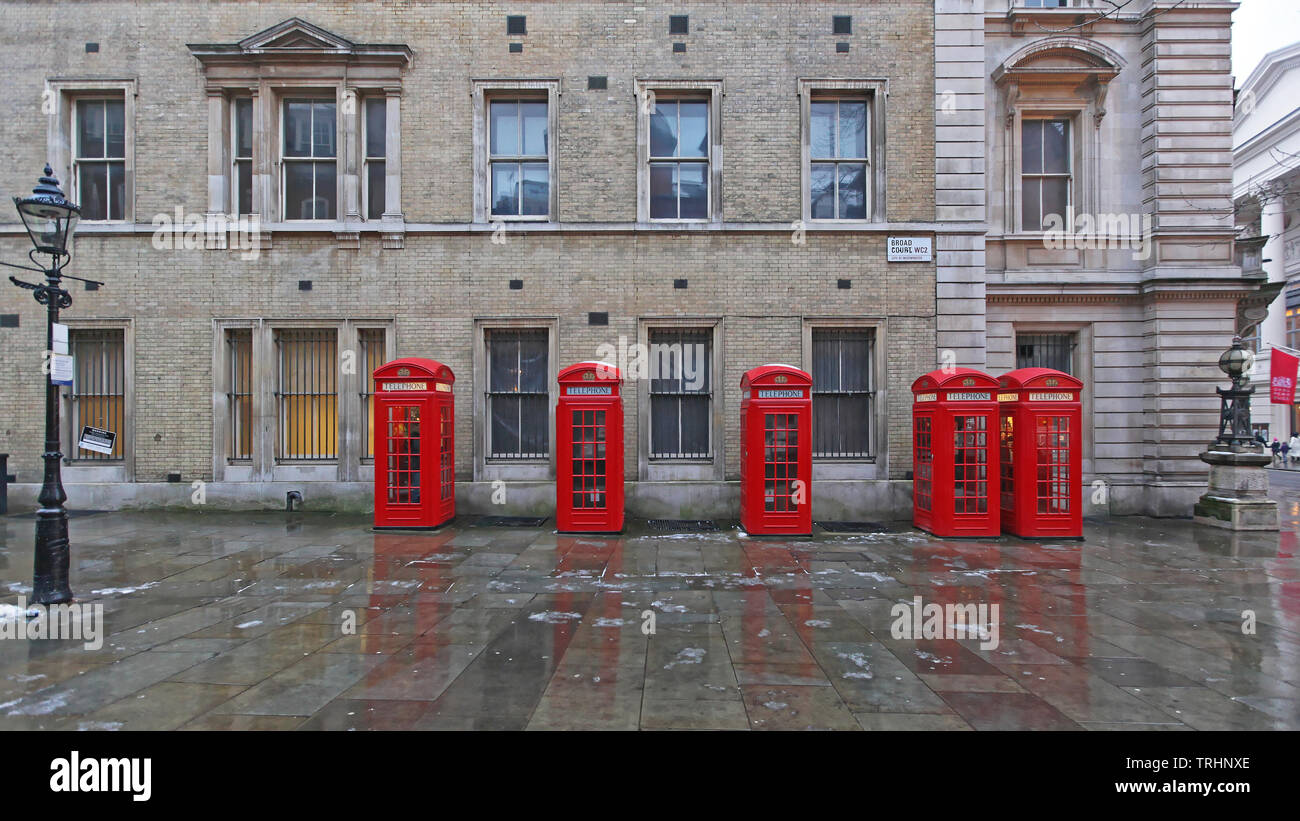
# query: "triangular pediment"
x,y
295,34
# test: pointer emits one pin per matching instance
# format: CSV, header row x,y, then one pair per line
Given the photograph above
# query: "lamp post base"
x,y
1237,498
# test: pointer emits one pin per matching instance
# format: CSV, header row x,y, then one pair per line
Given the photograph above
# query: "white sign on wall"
x,y
909,249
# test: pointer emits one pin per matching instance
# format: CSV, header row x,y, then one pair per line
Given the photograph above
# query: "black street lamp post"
x,y
50,220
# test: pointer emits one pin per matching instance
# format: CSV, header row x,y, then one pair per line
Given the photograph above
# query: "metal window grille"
x,y
518,396
1054,351
838,154
307,393
98,395
681,393
100,158
376,142
239,392
373,354
844,396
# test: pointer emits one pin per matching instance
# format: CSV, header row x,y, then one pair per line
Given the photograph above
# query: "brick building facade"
x,y
557,182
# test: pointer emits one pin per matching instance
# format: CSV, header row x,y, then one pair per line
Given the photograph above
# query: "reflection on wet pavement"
x,y
312,621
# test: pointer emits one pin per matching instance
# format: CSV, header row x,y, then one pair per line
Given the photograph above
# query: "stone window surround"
x,y
264,466
482,92
682,470
877,93
60,99
876,467
87,471
487,470
646,90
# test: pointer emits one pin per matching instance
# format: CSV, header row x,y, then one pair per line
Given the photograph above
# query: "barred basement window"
x,y
517,394
681,393
1045,351
99,387
843,393
239,396
376,142
373,354
100,160
307,394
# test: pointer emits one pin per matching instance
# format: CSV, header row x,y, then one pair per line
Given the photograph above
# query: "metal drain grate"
x,y
510,521
853,527
683,525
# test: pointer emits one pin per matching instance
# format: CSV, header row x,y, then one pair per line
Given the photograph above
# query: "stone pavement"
x,y
241,621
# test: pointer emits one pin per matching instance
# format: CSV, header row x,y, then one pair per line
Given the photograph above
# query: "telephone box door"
x,y
413,422
589,439
776,452
954,429
1042,487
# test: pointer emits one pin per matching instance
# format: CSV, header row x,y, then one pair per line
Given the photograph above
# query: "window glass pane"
x,y
326,191
115,129
1029,195
826,361
536,190
1056,146
532,360
853,191
535,439
665,435
853,129
297,191
376,123
534,117
505,188
92,188
503,362
663,190
1056,195
504,125
821,133
505,425
694,140
663,130
695,425
822,195
244,185
297,129
375,183
1045,351
243,128
322,129
90,128
694,190
116,191
855,360
1031,147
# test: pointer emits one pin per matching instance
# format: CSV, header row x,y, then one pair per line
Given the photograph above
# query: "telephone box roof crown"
x,y
601,372
954,378
765,374
415,367
1038,378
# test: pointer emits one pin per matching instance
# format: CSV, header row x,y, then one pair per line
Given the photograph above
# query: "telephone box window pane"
x,y
98,394
403,432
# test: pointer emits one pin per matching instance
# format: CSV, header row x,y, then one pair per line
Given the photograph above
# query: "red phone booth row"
x,y
1018,437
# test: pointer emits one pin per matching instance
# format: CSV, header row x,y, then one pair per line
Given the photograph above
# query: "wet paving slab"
x,y
257,621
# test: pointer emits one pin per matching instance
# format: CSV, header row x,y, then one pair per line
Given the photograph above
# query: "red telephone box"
x,y
776,451
589,449
413,421
1041,467
955,457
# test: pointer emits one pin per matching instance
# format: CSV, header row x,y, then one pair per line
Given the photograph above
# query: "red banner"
x,y
1282,374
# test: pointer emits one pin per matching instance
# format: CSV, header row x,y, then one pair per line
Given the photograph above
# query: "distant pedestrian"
x,y
1286,449
1294,447
1259,437
1276,447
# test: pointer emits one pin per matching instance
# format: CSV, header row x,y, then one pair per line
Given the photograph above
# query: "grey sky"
x,y
1261,26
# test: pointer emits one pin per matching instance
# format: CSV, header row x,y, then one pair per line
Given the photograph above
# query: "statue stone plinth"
x,y
1238,494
